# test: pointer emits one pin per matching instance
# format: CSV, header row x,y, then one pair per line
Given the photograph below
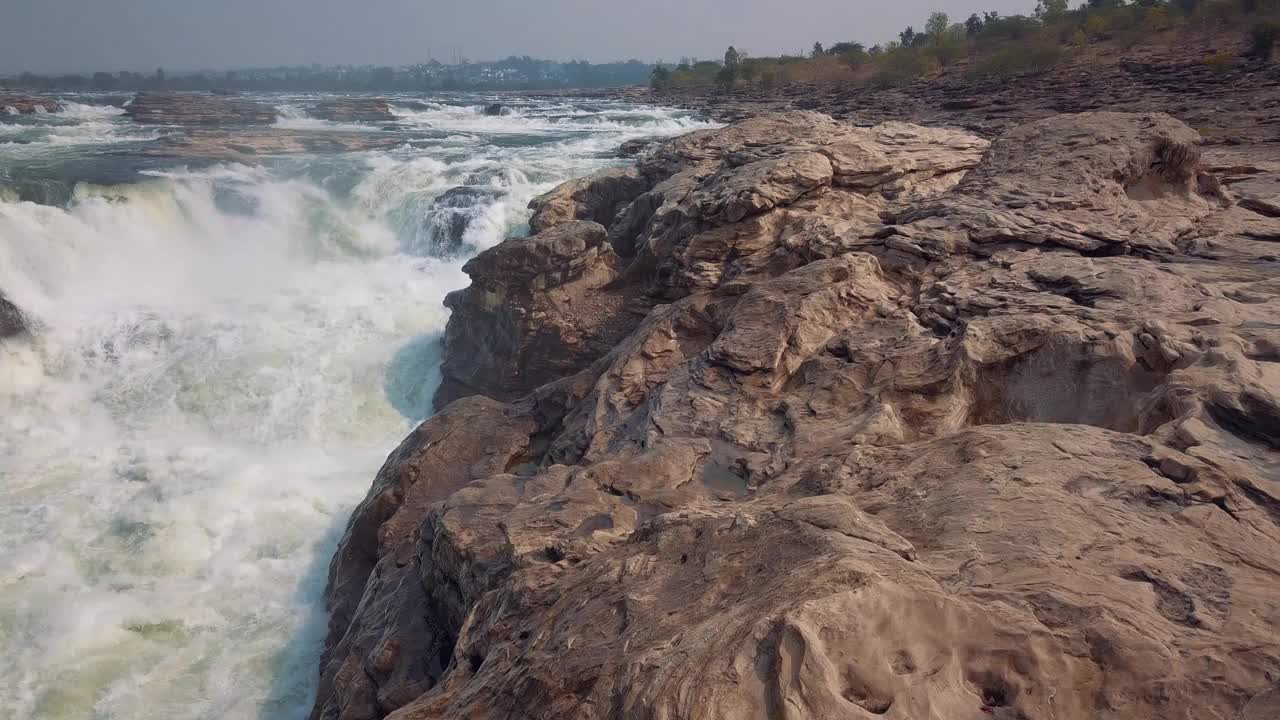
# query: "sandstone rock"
x,y
597,198
19,104
844,422
245,145
1090,182
354,109
538,309
200,109
385,651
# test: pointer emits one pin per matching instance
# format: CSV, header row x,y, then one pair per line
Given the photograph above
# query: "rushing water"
x,y
221,357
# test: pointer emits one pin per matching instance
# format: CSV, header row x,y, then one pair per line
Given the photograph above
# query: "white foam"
x,y
221,359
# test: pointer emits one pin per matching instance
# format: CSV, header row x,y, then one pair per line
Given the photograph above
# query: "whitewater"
x,y
220,358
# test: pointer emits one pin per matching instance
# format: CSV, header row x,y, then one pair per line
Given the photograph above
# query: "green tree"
x,y
973,25
728,75
936,26
1051,10
845,48
818,51
908,36
661,78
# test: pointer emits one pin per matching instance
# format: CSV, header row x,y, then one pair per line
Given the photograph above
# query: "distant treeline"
x,y
514,73
991,45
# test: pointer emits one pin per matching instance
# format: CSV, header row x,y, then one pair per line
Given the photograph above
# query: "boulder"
x,y
445,227
538,309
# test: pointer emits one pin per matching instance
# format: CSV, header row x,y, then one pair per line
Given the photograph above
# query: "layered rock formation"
x,y
244,145
18,104
1234,104
199,109
354,109
801,420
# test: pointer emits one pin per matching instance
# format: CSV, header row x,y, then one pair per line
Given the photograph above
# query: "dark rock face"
x,y
165,108
492,109
354,109
632,148
12,321
512,334
866,421
19,104
443,233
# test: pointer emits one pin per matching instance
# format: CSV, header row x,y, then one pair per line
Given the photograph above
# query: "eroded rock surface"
x,y
829,421
199,109
354,109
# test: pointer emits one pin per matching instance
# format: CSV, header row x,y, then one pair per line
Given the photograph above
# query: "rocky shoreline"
x,y
1233,104
803,419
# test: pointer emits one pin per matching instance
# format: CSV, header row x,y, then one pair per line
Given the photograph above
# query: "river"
x,y
221,355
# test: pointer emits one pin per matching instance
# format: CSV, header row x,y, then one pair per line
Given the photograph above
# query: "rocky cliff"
x,y
796,419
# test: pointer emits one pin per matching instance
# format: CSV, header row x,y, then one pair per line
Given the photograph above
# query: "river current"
x,y
221,356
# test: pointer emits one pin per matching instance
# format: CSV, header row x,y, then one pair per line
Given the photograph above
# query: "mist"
x,y
112,35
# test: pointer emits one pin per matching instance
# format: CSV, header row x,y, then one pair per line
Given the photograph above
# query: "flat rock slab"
x,y
161,108
245,145
17,104
354,110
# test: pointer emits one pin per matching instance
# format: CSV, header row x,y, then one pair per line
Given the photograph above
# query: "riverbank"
x,y
801,418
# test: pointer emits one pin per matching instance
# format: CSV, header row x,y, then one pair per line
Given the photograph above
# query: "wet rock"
x,y
492,109
452,213
632,148
175,108
864,421
245,145
19,104
12,321
354,109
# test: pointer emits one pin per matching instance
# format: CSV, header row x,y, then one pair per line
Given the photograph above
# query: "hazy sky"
x,y
80,35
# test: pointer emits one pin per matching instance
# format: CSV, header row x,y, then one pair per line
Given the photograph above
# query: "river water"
x,y
221,356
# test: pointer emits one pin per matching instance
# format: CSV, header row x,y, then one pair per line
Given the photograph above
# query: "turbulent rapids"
x,y
220,356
